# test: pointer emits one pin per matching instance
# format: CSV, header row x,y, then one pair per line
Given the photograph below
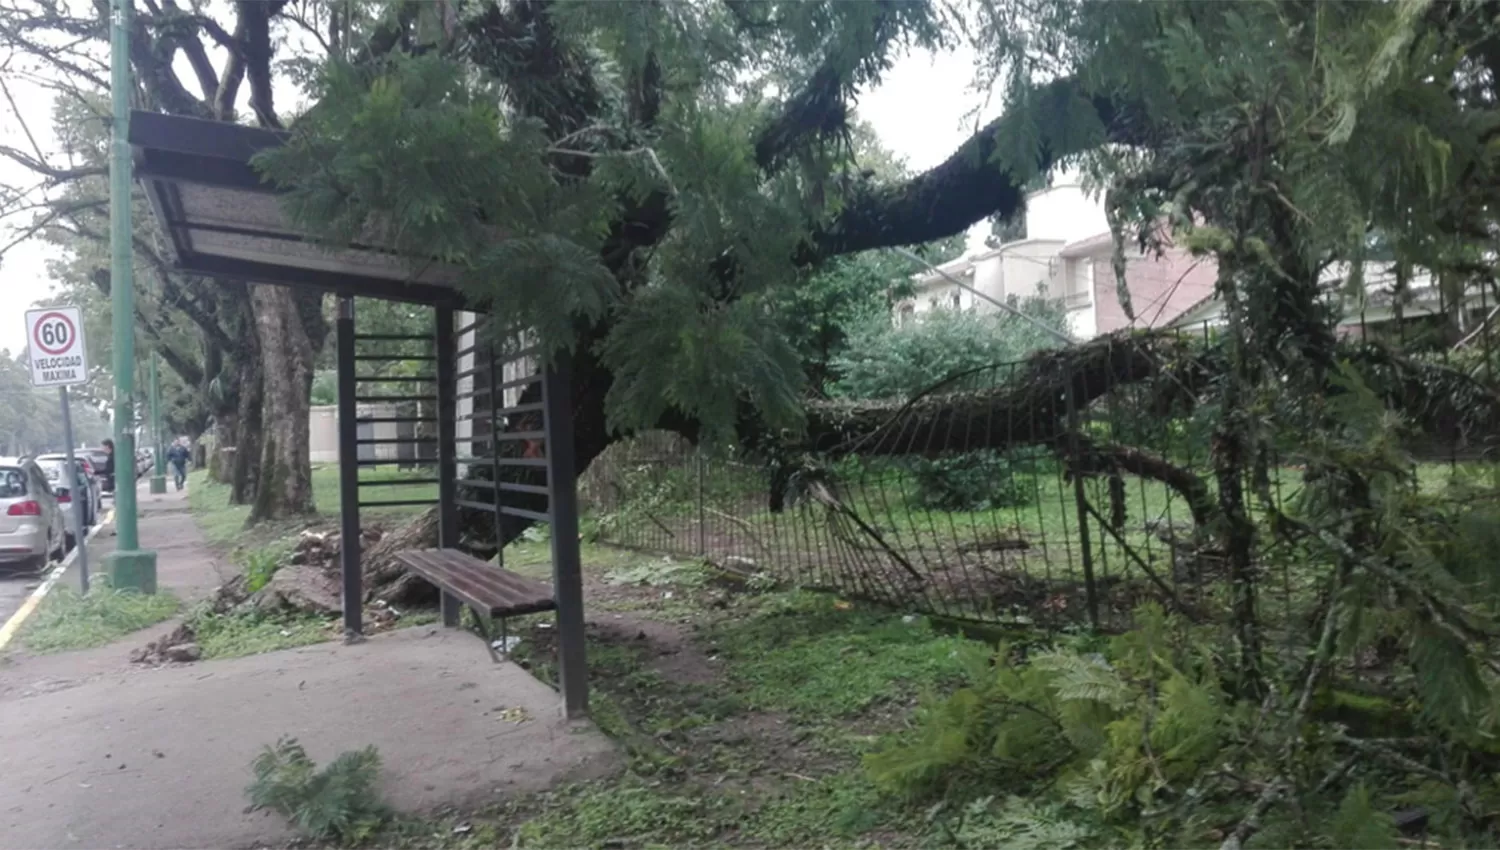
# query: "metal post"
x,y
78,509
567,563
447,423
1080,499
158,462
129,566
702,512
349,544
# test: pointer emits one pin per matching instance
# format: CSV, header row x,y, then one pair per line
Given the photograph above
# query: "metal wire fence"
x,y
1043,493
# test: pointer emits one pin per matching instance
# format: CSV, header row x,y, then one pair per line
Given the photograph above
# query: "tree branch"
x,y
197,55
255,16
1028,409
969,186
191,373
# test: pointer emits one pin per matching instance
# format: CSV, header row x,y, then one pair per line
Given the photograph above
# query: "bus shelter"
x,y
489,422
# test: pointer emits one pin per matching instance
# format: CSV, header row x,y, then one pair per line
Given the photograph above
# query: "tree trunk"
x,y
285,487
245,434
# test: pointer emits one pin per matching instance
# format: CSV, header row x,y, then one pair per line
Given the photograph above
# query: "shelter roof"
x,y
224,220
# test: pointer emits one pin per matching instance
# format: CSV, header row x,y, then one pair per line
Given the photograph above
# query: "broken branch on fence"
x,y
1140,562
749,529
1279,786
822,494
1101,459
1030,408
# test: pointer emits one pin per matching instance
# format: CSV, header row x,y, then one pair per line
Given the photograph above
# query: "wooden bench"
x,y
492,592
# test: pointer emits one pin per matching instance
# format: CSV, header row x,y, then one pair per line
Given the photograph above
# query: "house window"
x,y
955,302
1077,282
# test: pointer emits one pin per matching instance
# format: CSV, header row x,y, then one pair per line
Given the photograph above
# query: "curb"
x,y
33,601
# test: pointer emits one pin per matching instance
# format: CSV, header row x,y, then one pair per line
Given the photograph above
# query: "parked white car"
x,y
32,529
82,487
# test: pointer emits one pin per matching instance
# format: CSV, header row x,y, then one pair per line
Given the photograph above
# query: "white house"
x,y
1067,255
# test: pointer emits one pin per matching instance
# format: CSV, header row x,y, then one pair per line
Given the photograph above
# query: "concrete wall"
x,y
1030,268
1063,212
1078,297
323,432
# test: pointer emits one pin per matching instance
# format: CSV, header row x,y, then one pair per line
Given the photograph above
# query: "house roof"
x,y
223,220
1087,247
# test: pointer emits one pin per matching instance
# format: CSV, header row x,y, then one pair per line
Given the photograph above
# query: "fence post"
x,y
1080,499
702,512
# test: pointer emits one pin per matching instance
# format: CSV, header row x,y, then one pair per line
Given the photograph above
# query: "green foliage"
x,y
29,420
260,566
899,362
972,481
238,634
1120,730
338,802
784,658
325,387
843,296
68,620
663,572
1360,824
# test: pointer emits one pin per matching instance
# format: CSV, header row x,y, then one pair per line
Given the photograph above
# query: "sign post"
x,y
59,358
78,510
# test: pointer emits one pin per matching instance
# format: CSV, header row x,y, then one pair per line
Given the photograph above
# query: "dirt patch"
x,y
668,648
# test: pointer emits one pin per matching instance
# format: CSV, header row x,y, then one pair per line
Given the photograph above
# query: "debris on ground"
x,y
180,646
300,588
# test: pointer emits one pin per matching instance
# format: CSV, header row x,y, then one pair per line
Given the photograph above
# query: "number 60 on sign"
x,y
55,347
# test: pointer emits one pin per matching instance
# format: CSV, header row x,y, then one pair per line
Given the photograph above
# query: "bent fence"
x,y
1042,495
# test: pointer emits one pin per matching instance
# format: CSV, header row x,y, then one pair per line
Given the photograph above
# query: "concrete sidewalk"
x,y
184,563
96,753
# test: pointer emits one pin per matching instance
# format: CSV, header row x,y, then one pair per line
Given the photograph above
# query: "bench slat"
x,y
489,588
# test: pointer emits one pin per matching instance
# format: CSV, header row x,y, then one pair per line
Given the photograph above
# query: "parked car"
x,y
32,528
99,459
83,487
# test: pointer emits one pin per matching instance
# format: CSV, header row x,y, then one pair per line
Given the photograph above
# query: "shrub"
x,y
337,802
260,567
973,481
882,361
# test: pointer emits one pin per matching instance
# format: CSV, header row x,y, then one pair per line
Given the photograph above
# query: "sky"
x,y
917,111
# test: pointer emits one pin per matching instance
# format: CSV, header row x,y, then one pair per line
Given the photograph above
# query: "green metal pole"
x,y
158,461
128,565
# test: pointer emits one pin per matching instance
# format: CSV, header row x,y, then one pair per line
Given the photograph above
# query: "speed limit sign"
x,y
55,347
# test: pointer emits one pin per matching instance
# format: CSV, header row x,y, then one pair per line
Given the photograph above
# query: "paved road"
x,y
13,591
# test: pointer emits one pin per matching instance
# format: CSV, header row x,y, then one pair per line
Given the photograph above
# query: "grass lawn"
x,y
68,620
224,524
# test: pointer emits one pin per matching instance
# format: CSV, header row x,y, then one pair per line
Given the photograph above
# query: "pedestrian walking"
x,y
178,457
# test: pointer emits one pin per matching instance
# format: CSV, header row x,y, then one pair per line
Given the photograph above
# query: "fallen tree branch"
x,y
1029,409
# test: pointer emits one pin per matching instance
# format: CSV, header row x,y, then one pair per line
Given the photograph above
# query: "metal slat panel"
x,y
534,489
398,503
397,482
525,514
522,408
